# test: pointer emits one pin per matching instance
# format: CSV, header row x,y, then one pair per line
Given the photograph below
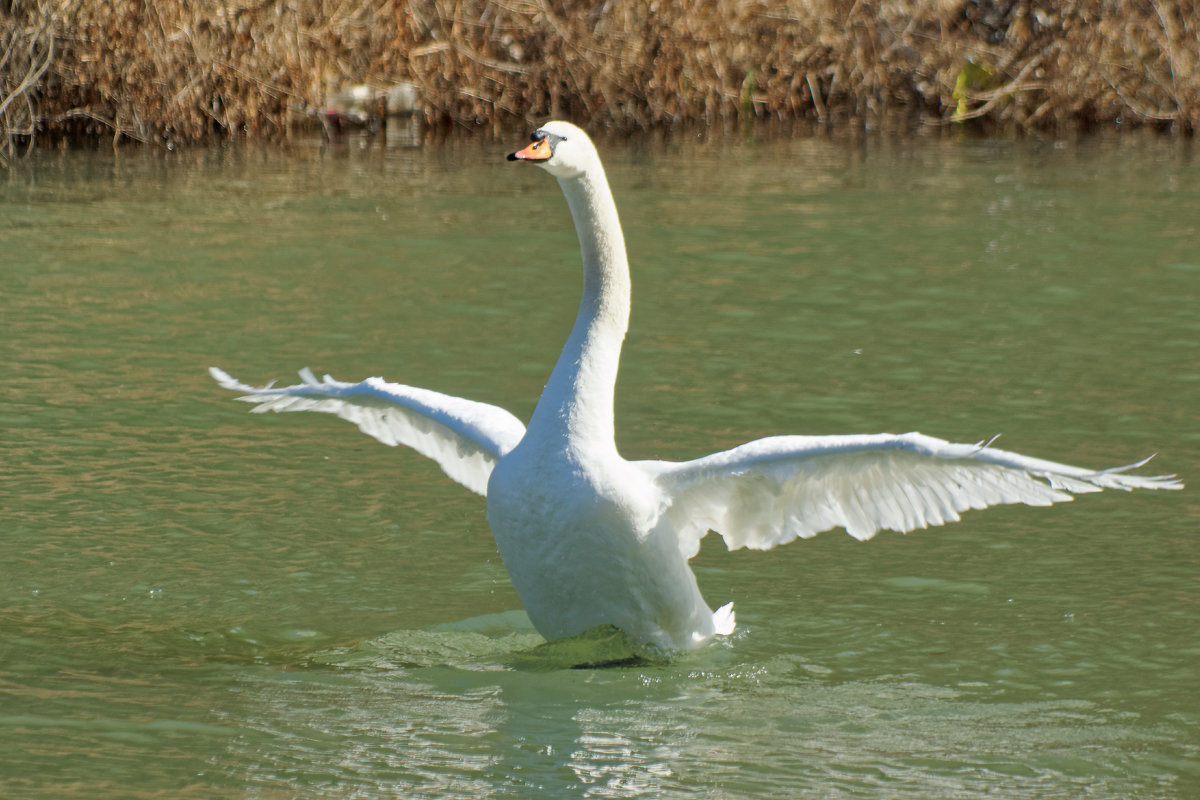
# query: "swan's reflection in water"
x,y
444,714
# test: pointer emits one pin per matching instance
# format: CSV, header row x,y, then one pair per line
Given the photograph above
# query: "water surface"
x,y
195,602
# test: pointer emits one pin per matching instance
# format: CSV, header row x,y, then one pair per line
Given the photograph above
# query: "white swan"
x,y
592,539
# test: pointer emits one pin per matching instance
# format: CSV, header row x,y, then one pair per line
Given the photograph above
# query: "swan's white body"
x,y
592,539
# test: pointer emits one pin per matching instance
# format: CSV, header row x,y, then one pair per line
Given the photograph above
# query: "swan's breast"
x,y
586,544
543,492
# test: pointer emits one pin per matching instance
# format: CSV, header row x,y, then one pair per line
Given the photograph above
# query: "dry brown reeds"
x,y
171,70
176,71
1020,64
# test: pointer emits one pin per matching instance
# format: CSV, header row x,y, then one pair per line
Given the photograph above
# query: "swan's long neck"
x,y
577,403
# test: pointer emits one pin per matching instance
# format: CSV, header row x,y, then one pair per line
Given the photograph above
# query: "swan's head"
x,y
560,148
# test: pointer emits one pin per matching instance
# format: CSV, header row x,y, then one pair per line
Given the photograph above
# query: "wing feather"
x,y
770,491
464,437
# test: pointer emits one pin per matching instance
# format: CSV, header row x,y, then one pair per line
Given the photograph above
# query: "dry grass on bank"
x,y
176,71
643,64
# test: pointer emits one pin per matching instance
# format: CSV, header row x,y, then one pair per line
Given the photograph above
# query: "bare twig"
x,y
118,129
35,66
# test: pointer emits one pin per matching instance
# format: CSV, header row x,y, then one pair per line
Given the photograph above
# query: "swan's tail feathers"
x,y
723,621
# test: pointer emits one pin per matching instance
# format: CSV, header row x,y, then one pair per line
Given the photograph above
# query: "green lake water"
x,y
200,603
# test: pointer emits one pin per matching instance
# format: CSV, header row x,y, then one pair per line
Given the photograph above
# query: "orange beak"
x,y
538,151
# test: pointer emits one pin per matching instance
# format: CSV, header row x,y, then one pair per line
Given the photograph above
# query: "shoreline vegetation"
x,y
171,72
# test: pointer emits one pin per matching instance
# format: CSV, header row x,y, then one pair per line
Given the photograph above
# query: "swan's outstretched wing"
x,y
773,490
464,437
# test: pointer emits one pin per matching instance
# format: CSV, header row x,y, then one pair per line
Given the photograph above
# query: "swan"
x,y
591,539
